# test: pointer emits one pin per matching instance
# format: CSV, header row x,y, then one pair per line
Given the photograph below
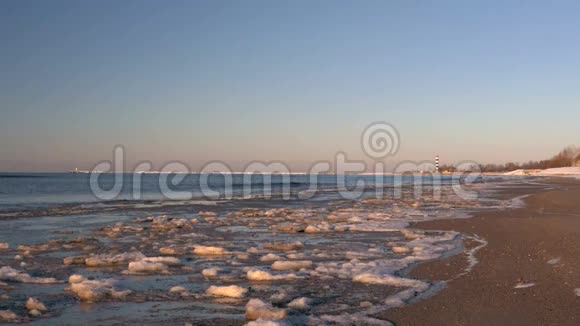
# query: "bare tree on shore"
x,y
569,156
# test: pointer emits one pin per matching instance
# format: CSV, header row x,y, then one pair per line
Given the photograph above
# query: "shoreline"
x,y
526,274
418,265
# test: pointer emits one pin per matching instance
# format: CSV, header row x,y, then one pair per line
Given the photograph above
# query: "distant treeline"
x,y
569,156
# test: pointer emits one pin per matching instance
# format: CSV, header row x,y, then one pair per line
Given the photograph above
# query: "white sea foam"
x,y
347,320
523,285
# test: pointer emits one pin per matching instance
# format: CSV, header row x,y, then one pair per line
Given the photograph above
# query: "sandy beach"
x,y
526,275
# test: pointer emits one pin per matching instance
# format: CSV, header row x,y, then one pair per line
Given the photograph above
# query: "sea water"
x,y
324,259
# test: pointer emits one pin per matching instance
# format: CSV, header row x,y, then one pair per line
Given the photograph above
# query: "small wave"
x,y
17,176
273,184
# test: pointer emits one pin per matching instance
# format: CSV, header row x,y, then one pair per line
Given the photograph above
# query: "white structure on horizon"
x,y
437,163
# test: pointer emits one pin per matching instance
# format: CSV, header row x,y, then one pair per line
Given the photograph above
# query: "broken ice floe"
x,y
231,291
94,290
256,309
8,273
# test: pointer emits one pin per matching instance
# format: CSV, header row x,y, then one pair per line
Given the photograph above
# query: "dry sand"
x,y
538,244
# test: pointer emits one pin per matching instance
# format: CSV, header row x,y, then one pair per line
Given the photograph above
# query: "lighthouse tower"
x,y
437,164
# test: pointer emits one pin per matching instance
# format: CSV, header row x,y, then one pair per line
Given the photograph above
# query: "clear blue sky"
x,y
490,81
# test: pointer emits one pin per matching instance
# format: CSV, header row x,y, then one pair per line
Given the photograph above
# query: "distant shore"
x,y
526,275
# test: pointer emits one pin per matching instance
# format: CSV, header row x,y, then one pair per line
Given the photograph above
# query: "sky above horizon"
x,y
292,81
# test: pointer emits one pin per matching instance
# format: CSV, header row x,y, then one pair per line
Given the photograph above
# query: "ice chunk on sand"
x,y
170,261
152,265
232,291
76,278
365,304
75,260
179,289
300,255
267,322
312,229
291,265
94,290
256,309
143,266
210,272
280,297
35,304
7,315
209,251
170,251
284,246
35,313
259,275
270,257
400,249
207,214
110,259
8,273
300,303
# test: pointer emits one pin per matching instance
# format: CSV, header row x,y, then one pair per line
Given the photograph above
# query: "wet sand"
x,y
538,244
